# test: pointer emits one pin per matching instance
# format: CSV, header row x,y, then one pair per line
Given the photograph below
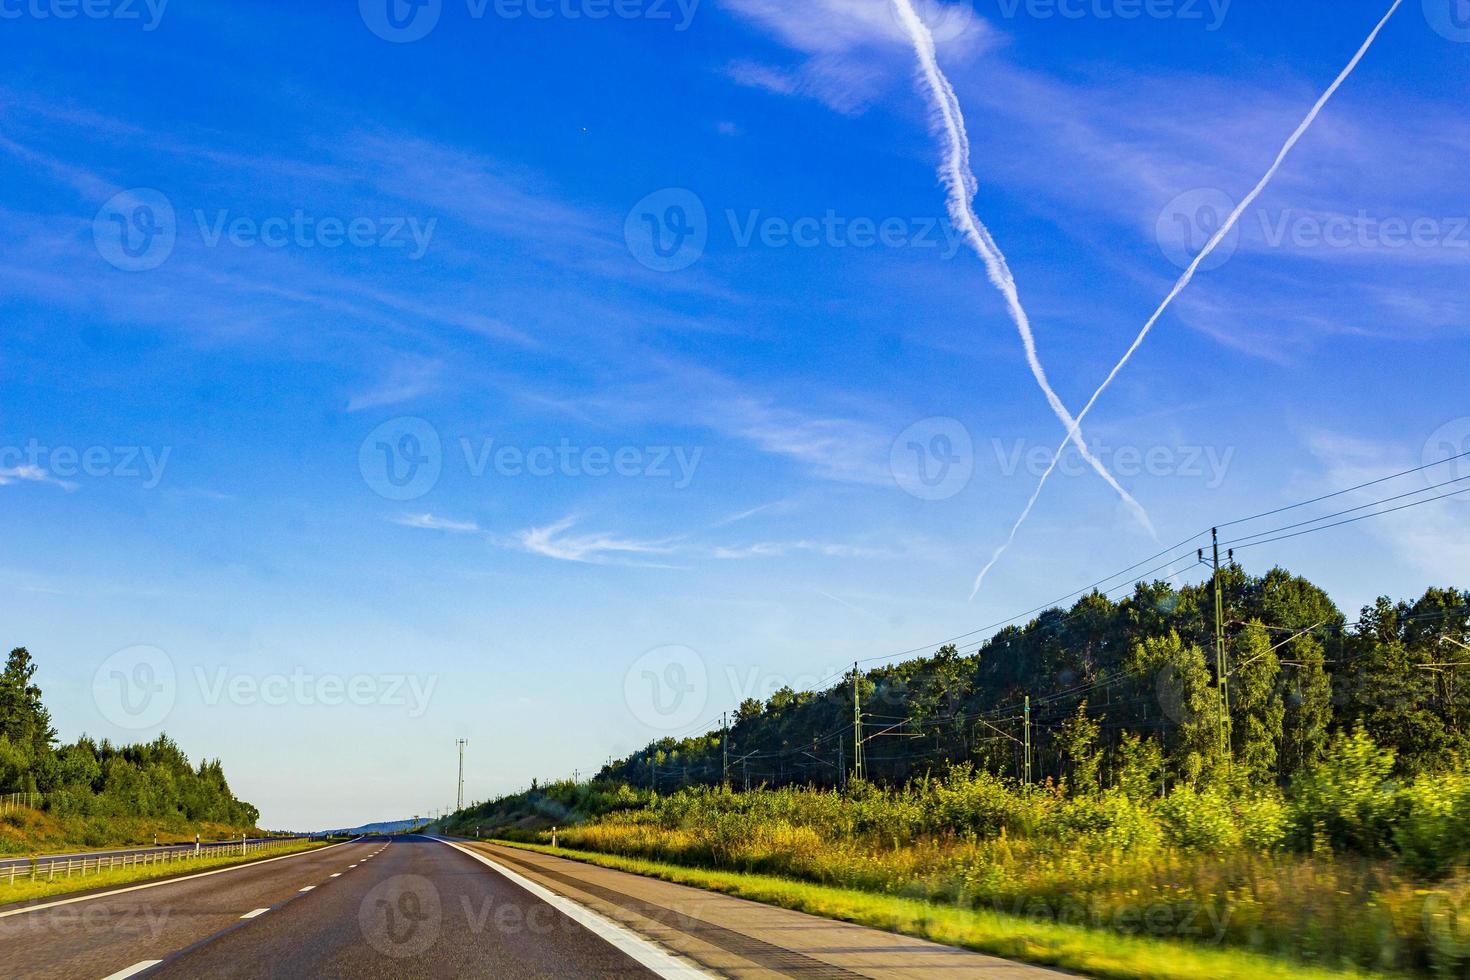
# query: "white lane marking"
x,y
308,888
160,884
336,874
251,915
133,970
351,866
644,952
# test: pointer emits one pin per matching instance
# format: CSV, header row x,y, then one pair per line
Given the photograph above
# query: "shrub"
x,y
1346,800
1200,821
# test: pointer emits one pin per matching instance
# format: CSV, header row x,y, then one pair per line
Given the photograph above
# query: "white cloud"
x,y
429,522
852,48
780,549
32,474
1419,536
408,378
598,548
839,449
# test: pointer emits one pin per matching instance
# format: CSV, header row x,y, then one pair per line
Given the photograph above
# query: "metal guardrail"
x,y
49,869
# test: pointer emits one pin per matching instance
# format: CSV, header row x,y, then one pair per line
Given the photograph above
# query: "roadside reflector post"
x,y
553,836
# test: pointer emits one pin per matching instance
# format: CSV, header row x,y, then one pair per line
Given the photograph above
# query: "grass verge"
x,y
1093,952
25,890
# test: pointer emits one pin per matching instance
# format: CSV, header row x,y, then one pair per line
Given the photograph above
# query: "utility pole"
x,y
459,800
725,750
857,728
1027,745
842,765
1220,663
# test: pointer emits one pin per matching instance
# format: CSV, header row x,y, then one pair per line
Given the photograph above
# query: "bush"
x,y
1346,801
1199,821
1431,828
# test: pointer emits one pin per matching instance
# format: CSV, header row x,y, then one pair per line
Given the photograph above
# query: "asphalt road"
x,y
406,909
414,907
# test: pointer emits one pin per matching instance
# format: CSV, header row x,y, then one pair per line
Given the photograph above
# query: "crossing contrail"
x,y
1185,279
960,181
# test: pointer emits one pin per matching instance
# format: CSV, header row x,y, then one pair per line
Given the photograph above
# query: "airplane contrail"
x,y
960,181
1188,276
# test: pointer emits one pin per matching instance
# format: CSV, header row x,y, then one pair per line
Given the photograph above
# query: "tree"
x,y
24,720
1189,701
1081,754
1307,699
1256,708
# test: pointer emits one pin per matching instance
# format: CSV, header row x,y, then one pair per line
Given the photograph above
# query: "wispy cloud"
x,y
746,515
595,548
1417,536
429,522
32,474
781,549
840,449
409,377
849,48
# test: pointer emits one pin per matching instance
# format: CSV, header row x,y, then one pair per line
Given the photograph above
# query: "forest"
x,y
1113,682
90,779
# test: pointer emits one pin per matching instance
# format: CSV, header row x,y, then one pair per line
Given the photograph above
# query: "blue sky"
x,y
346,246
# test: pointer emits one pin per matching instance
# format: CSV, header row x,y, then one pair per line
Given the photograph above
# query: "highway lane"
x,y
95,937
25,862
422,909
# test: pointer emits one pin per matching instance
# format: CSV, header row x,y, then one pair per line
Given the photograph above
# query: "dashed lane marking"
x,y
133,970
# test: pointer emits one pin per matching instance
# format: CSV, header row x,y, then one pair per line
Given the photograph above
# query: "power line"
x,y
1325,527
1352,510
1339,493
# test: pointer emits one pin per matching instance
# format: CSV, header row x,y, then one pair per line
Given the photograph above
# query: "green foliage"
x,y
1145,668
1346,802
1258,712
100,780
1211,864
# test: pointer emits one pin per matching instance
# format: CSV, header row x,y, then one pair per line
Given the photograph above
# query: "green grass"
x,y
24,890
1094,952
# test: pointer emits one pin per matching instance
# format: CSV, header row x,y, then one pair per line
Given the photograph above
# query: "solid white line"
x,y
644,952
133,970
159,884
308,888
251,915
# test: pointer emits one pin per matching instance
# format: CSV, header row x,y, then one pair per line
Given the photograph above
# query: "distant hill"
x,y
385,827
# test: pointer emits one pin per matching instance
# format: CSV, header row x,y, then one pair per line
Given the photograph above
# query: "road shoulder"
x,y
744,939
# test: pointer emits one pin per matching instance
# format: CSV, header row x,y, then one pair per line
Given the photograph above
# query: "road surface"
x,y
418,907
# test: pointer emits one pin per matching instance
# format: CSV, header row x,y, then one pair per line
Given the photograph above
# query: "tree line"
x,y
91,778
1120,686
